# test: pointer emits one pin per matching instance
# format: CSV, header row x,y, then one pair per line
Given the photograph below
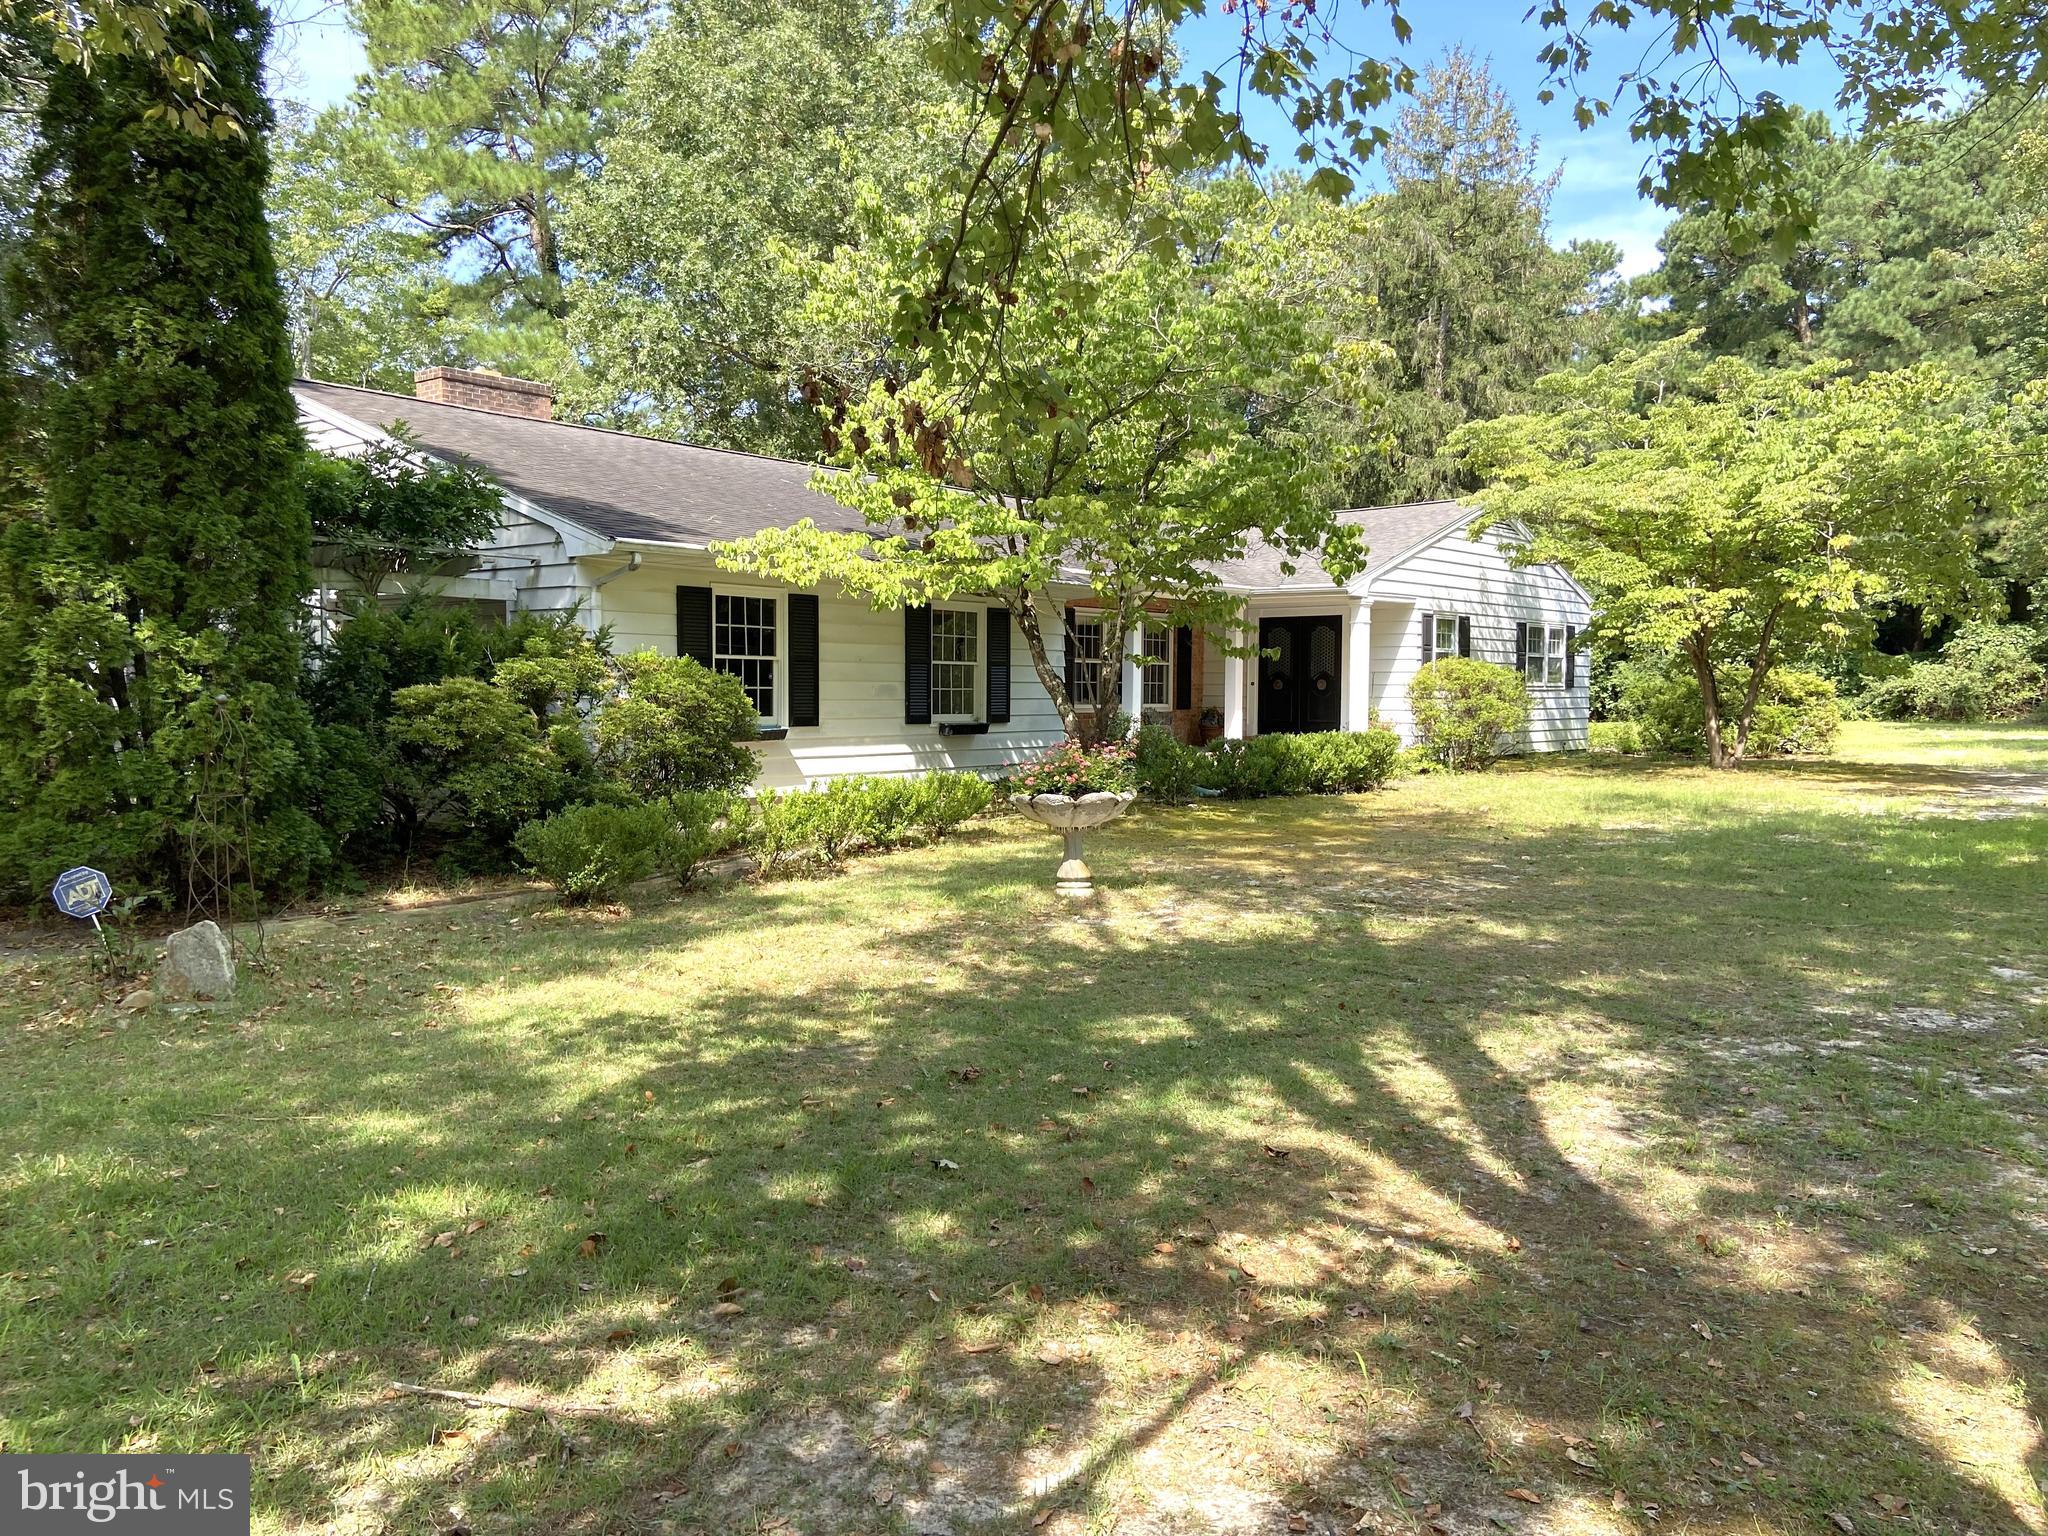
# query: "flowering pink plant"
x,y
1072,769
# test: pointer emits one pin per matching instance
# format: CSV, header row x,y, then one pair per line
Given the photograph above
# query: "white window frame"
x,y
778,674
1543,655
1086,670
1159,670
1437,651
976,664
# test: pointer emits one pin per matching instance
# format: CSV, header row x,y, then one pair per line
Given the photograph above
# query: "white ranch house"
x,y
619,526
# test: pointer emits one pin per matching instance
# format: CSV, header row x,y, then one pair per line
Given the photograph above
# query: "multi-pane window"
x,y
956,663
1156,676
743,643
1444,641
1085,637
1543,662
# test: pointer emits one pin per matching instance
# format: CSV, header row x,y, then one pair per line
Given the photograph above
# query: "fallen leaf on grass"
x,y
1525,1496
448,1437
981,1349
728,1309
945,1165
1842,1522
302,1281
592,1245
618,1336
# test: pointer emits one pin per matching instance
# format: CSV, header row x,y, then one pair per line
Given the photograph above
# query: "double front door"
x,y
1300,674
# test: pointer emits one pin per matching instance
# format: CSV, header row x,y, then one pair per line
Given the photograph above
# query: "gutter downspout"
x,y
597,586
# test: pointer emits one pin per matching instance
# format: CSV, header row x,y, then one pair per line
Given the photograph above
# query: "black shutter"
x,y
1068,653
917,666
803,658
1184,667
998,666
1571,657
1428,638
1522,648
693,623
1464,635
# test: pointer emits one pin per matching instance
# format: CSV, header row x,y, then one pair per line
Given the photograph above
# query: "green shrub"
x,y
703,823
1254,769
1985,672
1623,736
1347,762
672,724
1797,715
939,802
1168,769
592,852
473,758
860,811
1467,713
1797,711
1321,762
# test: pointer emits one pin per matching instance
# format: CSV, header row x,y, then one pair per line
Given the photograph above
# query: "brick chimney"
x,y
485,390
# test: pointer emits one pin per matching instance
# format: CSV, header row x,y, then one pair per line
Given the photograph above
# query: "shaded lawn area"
x,y
1585,1147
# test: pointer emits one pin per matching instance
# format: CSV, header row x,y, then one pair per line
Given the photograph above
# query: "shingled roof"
x,y
612,483
655,490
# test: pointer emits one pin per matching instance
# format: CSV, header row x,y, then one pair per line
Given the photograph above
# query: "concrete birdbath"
x,y
1071,815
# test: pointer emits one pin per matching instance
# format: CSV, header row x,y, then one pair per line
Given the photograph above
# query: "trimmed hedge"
x,y
861,811
1314,763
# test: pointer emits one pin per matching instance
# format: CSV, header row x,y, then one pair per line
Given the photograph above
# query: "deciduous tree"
x,y
1740,517
1148,415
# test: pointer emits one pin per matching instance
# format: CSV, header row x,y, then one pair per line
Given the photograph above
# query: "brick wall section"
x,y
485,391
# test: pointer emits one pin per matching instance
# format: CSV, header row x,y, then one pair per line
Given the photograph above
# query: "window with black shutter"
x,y
998,666
803,658
917,666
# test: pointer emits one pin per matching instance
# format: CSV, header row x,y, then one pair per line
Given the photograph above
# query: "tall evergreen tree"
x,y
1475,301
477,118
152,572
1893,270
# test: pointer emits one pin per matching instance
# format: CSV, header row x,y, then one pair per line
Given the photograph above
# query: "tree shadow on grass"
x,y
1348,1160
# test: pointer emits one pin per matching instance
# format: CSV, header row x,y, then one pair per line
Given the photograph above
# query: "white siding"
x,y
526,564
1473,578
860,680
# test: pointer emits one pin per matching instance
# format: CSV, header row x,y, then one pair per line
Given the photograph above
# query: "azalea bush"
x,y
1108,767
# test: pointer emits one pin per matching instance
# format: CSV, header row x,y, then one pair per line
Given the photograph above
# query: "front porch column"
x,y
1134,701
1358,668
1234,689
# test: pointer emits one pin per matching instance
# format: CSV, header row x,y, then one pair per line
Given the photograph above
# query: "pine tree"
x,y
154,564
480,116
1893,271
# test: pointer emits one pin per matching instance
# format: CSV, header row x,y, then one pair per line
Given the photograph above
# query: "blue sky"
x,y
317,60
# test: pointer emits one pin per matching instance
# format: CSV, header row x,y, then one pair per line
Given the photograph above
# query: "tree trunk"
x,y
1024,607
1699,651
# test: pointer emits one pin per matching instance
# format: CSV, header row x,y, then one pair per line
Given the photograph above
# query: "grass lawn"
x,y
1590,1146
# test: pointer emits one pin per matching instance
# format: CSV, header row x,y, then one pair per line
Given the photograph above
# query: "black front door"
x,y
1300,676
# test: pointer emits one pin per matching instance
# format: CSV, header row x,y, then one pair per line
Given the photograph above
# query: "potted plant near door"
x,y
1073,788
1212,724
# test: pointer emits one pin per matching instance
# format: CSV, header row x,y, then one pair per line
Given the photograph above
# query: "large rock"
x,y
198,963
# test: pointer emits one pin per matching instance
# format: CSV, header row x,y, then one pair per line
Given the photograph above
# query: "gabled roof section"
x,y
616,484
1390,533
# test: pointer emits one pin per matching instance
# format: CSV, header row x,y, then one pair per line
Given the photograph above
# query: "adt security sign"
x,y
82,893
